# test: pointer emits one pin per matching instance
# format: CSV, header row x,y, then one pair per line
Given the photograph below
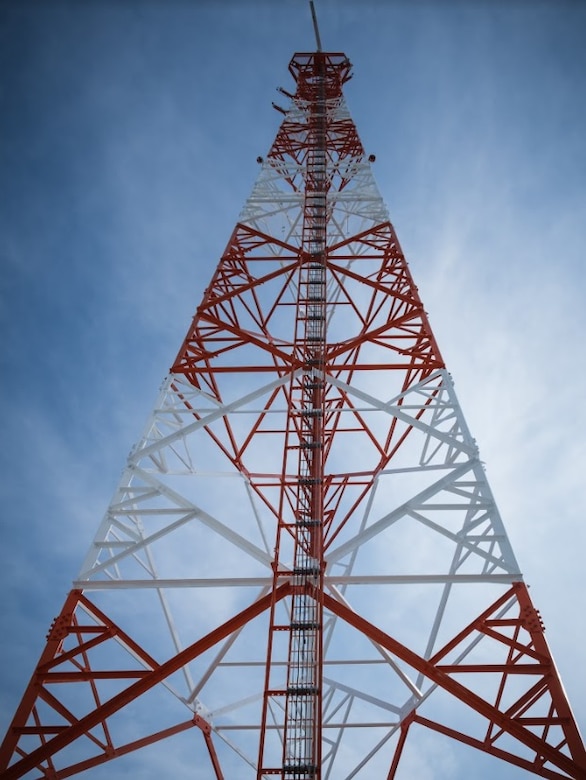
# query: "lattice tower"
x,y
303,564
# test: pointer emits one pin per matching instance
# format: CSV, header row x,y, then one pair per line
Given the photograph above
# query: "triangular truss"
x,y
303,562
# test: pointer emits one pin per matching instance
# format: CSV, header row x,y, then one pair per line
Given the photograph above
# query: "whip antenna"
x,y
315,27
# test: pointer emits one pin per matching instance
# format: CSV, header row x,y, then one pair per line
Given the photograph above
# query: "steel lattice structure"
x,y
303,561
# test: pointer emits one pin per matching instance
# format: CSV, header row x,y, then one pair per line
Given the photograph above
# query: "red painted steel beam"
x,y
207,735
575,766
492,750
400,745
130,747
116,703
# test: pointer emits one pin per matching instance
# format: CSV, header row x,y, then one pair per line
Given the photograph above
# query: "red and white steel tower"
x,y
303,565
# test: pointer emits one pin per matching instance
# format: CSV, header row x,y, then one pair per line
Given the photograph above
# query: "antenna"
x,y
315,27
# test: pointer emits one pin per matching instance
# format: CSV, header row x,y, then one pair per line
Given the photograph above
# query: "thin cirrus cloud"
x,y
129,146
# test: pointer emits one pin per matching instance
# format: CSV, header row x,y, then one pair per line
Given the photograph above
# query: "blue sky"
x,y
129,133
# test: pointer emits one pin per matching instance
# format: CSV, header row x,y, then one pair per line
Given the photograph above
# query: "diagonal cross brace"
x,y
575,766
137,689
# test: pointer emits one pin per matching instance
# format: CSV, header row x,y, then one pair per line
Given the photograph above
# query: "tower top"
x,y
313,71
